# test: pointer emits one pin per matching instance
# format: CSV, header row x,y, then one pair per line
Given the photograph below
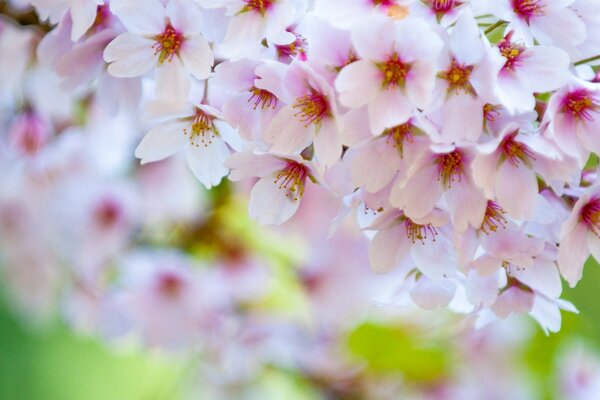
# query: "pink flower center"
x,y
170,285
399,134
262,98
442,6
493,218
450,167
458,76
590,215
515,152
416,232
259,6
168,43
528,8
108,213
512,52
297,48
580,104
202,131
312,108
394,72
292,179
103,17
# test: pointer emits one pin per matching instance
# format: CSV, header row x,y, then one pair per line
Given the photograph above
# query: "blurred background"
x,y
121,281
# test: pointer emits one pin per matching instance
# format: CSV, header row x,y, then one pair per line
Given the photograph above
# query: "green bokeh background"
x,y
53,363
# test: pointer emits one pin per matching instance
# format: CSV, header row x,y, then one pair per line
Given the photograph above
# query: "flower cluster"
x,y
461,135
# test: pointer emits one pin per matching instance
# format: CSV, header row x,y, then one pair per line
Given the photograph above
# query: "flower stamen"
x,y
203,131
292,178
450,168
262,98
394,72
312,108
167,43
493,218
416,232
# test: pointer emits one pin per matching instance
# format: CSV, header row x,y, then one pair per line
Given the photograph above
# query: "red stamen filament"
x,y
312,108
450,168
167,43
292,179
416,232
262,98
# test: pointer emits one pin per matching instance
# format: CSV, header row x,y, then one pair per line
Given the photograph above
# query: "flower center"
x,y
450,168
170,285
202,131
590,215
580,104
416,232
394,72
260,6
399,134
262,98
108,213
490,112
442,6
312,108
528,8
493,218
292,179
458,76
515,152
168,43
512,52
297,48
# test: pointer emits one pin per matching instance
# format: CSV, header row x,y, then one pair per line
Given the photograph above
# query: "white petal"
x,y
161,142
130,55
287,133
573,253
197,57
388,248
358,83
140,16
269,204
172,81
83,14
328,143
247,164
517,190
374,165
430,294
388,109
207,162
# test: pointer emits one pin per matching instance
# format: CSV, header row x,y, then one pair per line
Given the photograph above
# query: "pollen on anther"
x,y
262,98
450,168
292,179
417,232
202,130
167,43
493,218
312,108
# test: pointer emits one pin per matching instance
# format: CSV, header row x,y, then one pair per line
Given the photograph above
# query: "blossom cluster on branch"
x,y
461,136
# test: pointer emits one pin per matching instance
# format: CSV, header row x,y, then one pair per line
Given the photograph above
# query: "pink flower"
x,y
310,116
466,83
83,13
164,37
443,172
507,169
526,71
197,128
244,90
573,119
550,22
251,22
580,236
393,76
275,198
401,240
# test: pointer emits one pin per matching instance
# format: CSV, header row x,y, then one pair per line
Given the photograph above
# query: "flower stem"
x,y
587,60
494,27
